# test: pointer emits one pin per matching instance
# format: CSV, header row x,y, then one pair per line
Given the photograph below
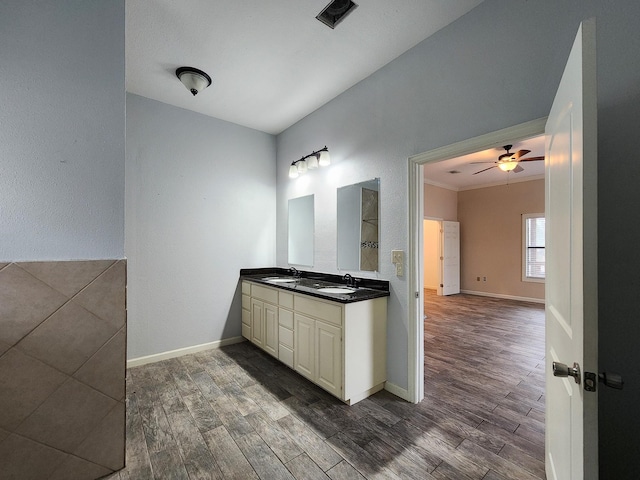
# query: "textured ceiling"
x,y
271,61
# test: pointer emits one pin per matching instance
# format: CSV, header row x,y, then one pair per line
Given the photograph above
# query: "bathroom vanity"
x,y
331,333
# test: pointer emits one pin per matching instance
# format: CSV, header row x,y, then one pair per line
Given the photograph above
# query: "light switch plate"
x,y
397,256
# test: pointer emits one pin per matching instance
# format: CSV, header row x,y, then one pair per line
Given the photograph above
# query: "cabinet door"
x,y
257,322
328,343
270,313
304,351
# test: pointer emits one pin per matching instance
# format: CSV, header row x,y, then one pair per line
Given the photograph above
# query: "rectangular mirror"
x,y
358,230
301,233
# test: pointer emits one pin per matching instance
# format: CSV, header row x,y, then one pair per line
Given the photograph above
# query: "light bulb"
x,y
312,162
507,166
302,166
325,158
293,171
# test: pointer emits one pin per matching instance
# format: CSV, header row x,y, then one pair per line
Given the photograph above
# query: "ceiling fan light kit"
x,y
510,162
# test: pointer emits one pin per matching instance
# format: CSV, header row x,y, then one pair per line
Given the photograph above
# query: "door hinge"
x,y
417,294
612,380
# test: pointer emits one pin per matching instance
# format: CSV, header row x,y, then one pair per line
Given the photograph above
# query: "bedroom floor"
x,y
237,413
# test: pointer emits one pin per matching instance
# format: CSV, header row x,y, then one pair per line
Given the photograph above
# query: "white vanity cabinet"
x,y
339,346
264,318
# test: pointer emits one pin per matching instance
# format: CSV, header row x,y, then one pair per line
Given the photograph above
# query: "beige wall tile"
x,y
104,446
25,302
68,338
104,371
68,416
67,277
26,383
4,347
25,459
105,297
77,468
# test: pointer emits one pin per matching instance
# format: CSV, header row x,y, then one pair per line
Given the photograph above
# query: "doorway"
x,y
416,236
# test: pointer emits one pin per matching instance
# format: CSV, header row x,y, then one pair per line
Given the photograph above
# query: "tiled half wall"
x,y
62,369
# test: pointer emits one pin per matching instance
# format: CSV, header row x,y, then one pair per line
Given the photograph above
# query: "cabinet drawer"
x,y
263,293
246,288
285,355
246,331
285,318
285,337
246,302
246,317
329,312
285,299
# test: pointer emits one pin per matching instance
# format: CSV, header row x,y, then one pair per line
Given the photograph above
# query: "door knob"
x,y
562,370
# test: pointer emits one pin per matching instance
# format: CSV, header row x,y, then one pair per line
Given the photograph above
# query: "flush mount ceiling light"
x,y
195,80
336,11
312,161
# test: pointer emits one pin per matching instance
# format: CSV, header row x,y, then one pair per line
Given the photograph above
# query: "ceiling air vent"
x,y
335,12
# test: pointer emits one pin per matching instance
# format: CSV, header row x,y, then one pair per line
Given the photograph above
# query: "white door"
x,y
571,264
257,322
450,258
304,341
271,329
329,357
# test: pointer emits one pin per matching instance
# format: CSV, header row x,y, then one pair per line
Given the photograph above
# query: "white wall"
x,y
200,205
496,67
62,111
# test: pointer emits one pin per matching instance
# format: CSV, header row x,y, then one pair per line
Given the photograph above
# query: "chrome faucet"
x,y
294,272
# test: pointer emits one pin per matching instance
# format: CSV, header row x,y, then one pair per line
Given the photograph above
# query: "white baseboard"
x,y
157,357
506,297
403,393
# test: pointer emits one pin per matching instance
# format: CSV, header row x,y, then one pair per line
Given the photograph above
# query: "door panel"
x,y
571,265
329,357
450,258
304,352
257,322
271,329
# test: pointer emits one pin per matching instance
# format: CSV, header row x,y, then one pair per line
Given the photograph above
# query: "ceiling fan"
x,y
510,162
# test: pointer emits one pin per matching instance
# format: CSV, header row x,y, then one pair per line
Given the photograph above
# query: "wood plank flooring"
x,y
237,413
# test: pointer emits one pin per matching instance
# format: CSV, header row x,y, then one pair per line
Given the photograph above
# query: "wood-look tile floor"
x,y
237,413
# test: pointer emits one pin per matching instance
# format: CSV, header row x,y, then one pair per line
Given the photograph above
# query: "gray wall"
x,y
200,205
495,67
62,108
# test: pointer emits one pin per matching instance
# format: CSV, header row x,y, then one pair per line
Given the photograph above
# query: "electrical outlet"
x,y
484,279
397,256
399,269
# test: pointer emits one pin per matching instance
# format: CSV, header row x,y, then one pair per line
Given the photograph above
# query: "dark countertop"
x,y
308,283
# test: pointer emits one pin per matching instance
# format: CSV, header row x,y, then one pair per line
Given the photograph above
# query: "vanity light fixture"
x,y
195,80
310,162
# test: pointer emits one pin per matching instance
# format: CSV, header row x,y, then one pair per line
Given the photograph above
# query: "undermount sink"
x,y
280,280
336,290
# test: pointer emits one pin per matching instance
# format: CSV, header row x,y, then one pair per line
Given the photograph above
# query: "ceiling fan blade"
x,y
480,163
520,153
532,159
518,169
484,170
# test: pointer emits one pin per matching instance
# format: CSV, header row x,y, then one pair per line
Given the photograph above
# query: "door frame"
x,y
415,387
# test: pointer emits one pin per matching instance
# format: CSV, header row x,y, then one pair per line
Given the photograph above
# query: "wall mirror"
x,y
301,221
358,229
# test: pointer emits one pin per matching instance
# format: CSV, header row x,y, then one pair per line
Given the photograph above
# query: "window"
x,y
533,247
